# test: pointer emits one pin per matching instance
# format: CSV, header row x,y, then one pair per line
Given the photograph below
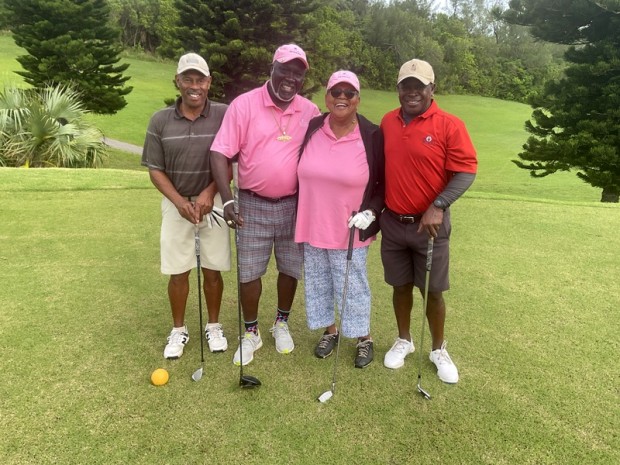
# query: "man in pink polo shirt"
x,y
265,127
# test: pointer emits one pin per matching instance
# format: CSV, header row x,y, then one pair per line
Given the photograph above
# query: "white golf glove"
x,y
362,220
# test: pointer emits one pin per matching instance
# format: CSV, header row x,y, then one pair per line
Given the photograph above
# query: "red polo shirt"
x,y
421,157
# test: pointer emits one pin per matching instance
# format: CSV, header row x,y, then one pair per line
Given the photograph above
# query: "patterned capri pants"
x,y
324,271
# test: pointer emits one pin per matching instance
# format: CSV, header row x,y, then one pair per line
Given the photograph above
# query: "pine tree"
x,y
70,42
577,119
238,37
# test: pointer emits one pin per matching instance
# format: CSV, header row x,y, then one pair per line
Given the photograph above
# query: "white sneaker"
x,y
395,357
446,369
249,344
215,337
284,341
176,343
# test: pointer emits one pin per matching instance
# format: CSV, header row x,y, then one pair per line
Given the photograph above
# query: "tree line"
x,y
561,56
471,48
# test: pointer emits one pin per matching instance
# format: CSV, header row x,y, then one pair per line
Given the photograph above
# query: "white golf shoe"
x,y
446,369
215,337
176,343
249,344
395,357
284,341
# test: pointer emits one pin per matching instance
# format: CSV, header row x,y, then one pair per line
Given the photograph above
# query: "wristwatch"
x,y
441,203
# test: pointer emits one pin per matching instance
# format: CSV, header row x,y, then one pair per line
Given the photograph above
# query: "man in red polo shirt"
x,y
430,162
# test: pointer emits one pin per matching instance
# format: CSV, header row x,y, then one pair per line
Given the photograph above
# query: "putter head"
x,y
325,396
197,375
426,395
249,382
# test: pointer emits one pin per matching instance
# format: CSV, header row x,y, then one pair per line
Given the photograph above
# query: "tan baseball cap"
x,y
419,69
193,61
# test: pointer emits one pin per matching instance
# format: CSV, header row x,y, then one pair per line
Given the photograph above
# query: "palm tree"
x,y
47,127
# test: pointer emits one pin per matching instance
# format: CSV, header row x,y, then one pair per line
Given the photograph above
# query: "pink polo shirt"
x,y
333,174
251,127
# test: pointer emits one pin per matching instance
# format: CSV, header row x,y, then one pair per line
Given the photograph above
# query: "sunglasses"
x,y
348,93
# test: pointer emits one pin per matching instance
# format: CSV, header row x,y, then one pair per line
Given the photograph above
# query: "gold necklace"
x,y
283,137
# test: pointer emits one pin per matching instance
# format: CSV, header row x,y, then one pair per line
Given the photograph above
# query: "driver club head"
x,y
249,382
325,396
197,375
426,395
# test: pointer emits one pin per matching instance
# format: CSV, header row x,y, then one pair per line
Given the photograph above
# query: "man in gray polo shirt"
x,y
176,152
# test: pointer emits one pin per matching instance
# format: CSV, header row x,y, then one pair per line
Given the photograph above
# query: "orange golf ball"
x,y
159,377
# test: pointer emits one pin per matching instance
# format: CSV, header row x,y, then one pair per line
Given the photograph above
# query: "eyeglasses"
x,y
348,93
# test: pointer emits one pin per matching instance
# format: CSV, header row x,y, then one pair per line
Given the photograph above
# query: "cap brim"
x,y
188,68
423,80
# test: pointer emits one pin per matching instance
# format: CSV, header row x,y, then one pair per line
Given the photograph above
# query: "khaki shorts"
x,y
178,246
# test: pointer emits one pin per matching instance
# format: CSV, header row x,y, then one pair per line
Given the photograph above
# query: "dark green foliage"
x,y
70,42
567,21
238,37
577,119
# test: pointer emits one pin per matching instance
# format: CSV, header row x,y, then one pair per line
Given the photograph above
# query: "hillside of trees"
x,y
471,48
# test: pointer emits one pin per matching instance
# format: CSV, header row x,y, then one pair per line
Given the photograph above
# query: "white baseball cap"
x,y
193,61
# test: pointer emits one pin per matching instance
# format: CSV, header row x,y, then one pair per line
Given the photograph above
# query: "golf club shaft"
x,y
429,262
235,173
344,300
198,272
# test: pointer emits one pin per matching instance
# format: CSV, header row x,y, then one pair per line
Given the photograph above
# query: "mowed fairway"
x,y
532,325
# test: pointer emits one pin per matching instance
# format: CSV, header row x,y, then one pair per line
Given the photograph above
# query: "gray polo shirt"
x,y
180,147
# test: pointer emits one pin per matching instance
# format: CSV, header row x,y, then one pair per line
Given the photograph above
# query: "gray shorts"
x,y
403,253
267,227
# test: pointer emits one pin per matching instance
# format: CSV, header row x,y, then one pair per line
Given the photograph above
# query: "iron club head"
x,y
197,375
249,382
426,395
325,396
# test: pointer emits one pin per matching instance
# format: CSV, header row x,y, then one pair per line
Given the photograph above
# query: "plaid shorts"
x,y
267,226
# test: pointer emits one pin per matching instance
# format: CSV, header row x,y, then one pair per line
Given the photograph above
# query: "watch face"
x,y
440,204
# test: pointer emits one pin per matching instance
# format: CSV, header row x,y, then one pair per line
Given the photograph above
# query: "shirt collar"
x,y
431,110
268,101
177,108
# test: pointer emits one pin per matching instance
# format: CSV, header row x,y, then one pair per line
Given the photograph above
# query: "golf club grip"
x,y
351,239
429,253
235,173
197,241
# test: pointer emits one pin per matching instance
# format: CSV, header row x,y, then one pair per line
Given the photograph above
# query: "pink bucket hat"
x,y
343,76
286,53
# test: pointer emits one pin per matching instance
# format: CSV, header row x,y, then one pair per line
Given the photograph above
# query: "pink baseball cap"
x,y
343,76
288,52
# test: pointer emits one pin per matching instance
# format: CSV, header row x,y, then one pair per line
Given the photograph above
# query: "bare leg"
x,y
402,299
287,286
213,288
178,290
436,314
250,296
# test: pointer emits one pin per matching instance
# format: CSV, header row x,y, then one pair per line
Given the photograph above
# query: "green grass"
x,y
85,317
531,325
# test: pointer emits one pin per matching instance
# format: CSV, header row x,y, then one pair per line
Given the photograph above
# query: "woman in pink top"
x,y
340,171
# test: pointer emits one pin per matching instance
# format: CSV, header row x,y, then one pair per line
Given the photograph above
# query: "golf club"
x,y
328,394
197,375
429,262
245,381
